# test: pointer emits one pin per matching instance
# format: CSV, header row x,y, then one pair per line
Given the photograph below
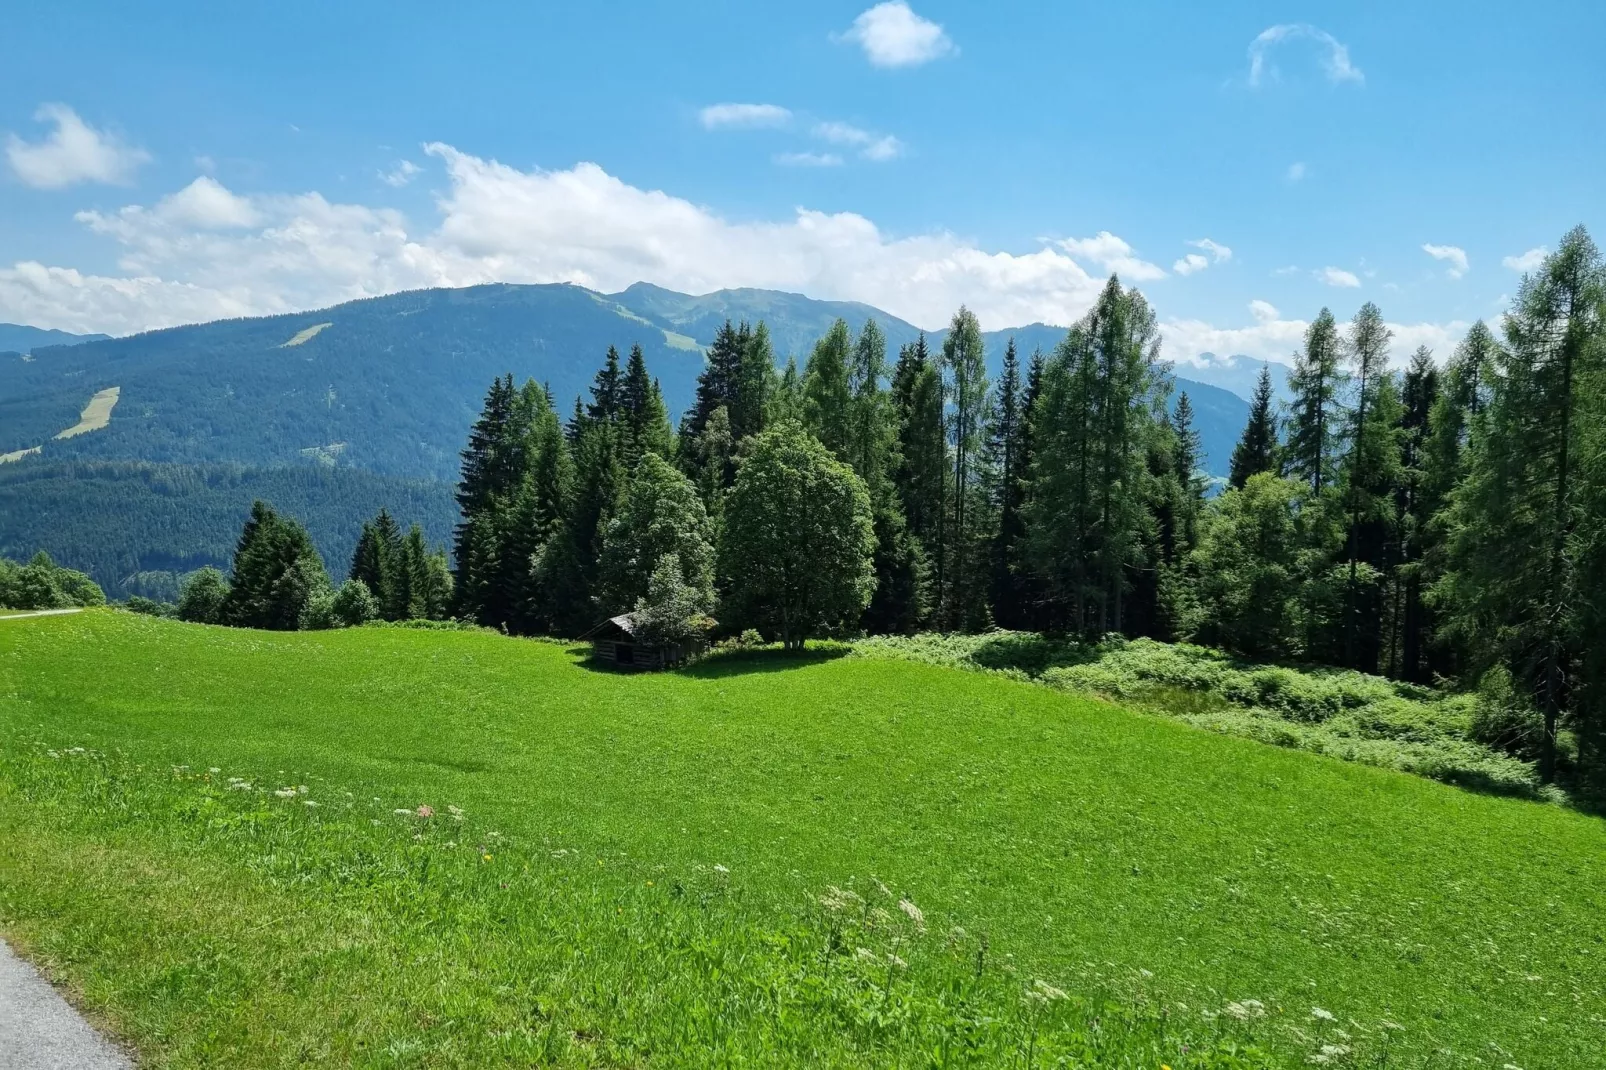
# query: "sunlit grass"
x,y
663,851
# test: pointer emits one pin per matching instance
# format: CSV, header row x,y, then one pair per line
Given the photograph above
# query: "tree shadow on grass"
x,y
744,662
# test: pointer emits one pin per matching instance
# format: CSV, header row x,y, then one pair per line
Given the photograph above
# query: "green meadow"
x,y
395,847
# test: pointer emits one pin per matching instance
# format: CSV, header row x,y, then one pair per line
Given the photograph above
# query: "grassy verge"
x,y
688,869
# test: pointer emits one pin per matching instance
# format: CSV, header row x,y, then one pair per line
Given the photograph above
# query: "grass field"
x,y
688,869
96,415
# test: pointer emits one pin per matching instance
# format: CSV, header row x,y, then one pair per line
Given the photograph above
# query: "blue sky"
x,y
174,162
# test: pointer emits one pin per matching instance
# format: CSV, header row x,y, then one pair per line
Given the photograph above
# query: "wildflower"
x,y
286,793
403,813
649,884
456,812
914,913
721,870
894,960
883,889
486,858
1330,1053
1245,1010
1047,992
864,954
301,789
308,802
1321,1015
1393,1025
837,900
240,785
1145,974
426,811
214,769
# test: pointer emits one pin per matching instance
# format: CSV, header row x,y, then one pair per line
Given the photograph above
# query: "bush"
x,y
354,604
149,606
1503,718
201,599
42,584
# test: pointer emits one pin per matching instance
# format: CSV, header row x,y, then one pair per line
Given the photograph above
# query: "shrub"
x,y
201,599
1502,718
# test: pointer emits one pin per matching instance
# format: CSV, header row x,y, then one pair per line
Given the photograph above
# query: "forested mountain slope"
x,y
16,338
386,386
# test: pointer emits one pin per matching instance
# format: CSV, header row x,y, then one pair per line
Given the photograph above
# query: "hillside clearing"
x,y
17,455
1115,857
306,334
96,415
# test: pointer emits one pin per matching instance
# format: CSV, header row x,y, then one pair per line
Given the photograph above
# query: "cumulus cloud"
x,y
1335,59
808,159
892,35
193,257
401,174
1112,254
206,204
1333,276
1271,337
1187,265
74,152
1526,262
1453,255
716,116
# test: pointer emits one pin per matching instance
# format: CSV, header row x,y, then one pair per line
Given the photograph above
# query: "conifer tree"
x,y
921,471
1370,476
1517,592
827,397
644,420
276,574
1256,451
1006,448
1410,624
491,472
785,402
1313,421
756,382
607,390
391,589
965,381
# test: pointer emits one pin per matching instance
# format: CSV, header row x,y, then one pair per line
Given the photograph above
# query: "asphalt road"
x,y
40,1031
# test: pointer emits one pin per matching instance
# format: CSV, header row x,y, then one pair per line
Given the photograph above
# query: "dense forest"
x,y
1445,522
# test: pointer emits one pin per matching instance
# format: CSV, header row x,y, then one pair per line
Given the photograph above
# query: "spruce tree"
x,y
644,420
1256,450
606,390
755,385
1005,441
1410,624
921,470
389,588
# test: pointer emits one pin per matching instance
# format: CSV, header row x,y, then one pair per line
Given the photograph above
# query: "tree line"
x,y
1442,523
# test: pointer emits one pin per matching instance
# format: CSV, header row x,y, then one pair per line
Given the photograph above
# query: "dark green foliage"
x,y
276,573
1007,459
203,597
1248,570
42,584
1256,451
139,528
797,549
1522,587
672,612
1309,452
921,471
827,396
660,513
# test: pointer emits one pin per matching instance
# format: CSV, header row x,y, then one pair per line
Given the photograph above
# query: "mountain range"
x,y
377,393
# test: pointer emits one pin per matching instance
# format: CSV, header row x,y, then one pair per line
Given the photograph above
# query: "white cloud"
x,y
1453,255
1193,262
892,35
1528,261
1296,171
181,264
401,174
1270,337
808,159
1112,254
74,152
716,116
1333,276
1290,269
877,147
1335,62
206,204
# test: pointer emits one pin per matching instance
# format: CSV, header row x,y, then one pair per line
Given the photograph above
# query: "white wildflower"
x,y
403,813
1330,1053
1321,1015
914,913
1245,1009
286,793
839,900
240,785
308,802
864,954
1047,992
214,769
894,960
721,870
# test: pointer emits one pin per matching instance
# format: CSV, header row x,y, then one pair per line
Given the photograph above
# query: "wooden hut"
x,y
614,642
